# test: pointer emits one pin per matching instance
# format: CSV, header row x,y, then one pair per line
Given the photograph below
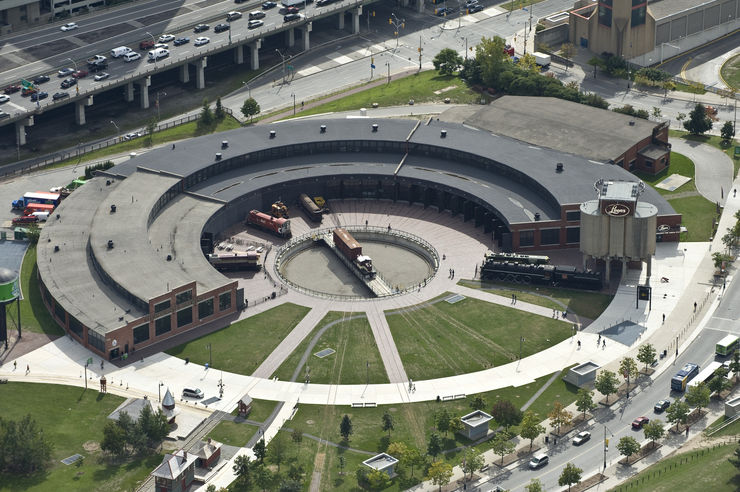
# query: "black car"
x,y
269,5
69,82
37,96
661,406
60,95
475,8
221,28
181,41
201,28
40,79
291,17
442,12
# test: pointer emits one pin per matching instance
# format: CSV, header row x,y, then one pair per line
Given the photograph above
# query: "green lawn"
x,y
582,303
680,472
70,417
713,140
232,433
730,72
433,339
241,347
731,430
697,213
680,164
356,358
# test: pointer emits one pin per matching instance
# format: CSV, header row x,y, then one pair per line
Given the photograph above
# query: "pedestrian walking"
x,y
694,306
687,431
579,345
366,224
512,298
598,340
15,365
663,318
28,368
173,146
603,343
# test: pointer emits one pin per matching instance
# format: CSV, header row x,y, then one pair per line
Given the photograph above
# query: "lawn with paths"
x,y
697,214
680,164
356,358
238,433
241,347
433,338
713,140
72,419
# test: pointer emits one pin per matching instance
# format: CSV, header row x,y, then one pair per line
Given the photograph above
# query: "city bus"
x,y
682,378
706,374
727,345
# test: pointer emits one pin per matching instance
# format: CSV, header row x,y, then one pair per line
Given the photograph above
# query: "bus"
x,y
706,374
682,378
727,345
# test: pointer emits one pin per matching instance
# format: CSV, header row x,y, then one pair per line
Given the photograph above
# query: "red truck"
x,y
278,226
38,207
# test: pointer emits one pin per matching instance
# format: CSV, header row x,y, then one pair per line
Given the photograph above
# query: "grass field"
x,y
242,346
698,213
680,164
731,430
587,304
730,72
73,420
356,358
433,339
680,472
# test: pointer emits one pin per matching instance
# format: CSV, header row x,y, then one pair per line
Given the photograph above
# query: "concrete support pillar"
x,y
80,112
404,3
200,72
420,6
340,21
649,268
254,55
128,92
144,90
305,30
239,54
20,130
289,38
608,272
185,73
356,20
624,267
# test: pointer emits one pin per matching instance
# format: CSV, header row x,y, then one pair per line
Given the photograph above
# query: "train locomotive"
x,y
278,226
555,275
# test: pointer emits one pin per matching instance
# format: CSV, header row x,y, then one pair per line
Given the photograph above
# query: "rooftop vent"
x,y
375,127
536,216
107,182
443,133
169,257
218,156
56,248
272,133
112,208
110,244
632,122
224,144
559,167
323,128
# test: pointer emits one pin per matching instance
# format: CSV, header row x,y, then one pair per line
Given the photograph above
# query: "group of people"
x,y
513,298
452,273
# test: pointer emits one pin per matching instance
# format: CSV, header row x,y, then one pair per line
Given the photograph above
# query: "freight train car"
x,y
351,249
235,261
278,226
555,275
313,210
517,258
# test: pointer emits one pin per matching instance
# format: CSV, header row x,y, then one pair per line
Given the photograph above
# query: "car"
x,y
661,406
221,28
255,23
146,45
101,76
292,17
60,95
192,393
470,3
581,437
475,8
129,57
201,41
65,72
37,96
257,14
12,88
27,91
132,135
166,38
232,16
444,11
68,82
639,422
201,28
291,10
80,74
538,460
181,41
163,46
26,219
40,79
3,114
69,26
269,5
4,98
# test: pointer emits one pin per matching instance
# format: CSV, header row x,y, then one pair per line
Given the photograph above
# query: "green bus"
x,y
727,345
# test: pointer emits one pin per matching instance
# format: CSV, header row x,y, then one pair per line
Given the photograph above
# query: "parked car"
x,y
12,88
253,24
181,41
26,219
60,95
581,437
221,28
201,28
80,74
3,114
470,3
291,10
443,11
68,82
37,96
639,422
69,26
475,8
166,38
40,79
661,406
101,76
4,98
269,5
291,17
201,41
192,393
538,460
65,72
234,15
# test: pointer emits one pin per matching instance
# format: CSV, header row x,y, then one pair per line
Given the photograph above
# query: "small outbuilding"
x,y
732,407
244,406
476,424
382,462
208,453
583,374
176,473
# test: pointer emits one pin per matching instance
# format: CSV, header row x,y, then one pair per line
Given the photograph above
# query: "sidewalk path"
x,y
713,168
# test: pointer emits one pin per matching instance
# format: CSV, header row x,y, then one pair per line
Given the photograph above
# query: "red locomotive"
x,y
278,226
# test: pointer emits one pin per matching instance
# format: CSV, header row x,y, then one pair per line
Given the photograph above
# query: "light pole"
x,y
367,372
154,41
118,130
388,64
73,63
397,24
606,444
210,359
249,91
283,58
159,391
521,340
293,103
157,101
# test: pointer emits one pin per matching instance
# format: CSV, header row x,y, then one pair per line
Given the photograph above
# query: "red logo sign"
x,y
617,210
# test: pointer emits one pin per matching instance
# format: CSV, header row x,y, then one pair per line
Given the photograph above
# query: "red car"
x,y
27,91
12,88
146,45
26,219
639,422
80,74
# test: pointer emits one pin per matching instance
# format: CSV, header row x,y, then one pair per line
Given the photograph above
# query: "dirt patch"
x,y
91,446
644,451
588,483
310,422
517,455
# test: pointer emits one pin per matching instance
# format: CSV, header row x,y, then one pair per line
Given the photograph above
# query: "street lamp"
x,y
157,101
283,58
118,130
74,63
397,24
210,359
293,103
159,391
249,91
606,444
388,64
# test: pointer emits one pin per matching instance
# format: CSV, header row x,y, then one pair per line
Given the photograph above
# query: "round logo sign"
x,y
617,210
664,228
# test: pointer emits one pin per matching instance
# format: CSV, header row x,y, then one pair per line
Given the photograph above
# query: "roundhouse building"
x,y
120,263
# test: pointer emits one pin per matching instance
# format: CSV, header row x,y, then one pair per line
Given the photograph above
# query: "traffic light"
x,y
390,21
373,13
372,60
403,24
607,442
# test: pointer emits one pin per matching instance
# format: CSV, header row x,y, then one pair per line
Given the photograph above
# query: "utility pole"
x,y
420,50
606,445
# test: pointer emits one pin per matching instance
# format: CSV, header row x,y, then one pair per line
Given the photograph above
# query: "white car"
x,y
132,135
166,38
69,26
163,46
4,98
101,76
201,41
129,57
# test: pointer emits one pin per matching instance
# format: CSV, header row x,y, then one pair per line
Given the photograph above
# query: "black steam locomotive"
x,y
555,275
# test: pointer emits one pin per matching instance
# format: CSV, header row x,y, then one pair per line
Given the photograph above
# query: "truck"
x,y
352,250
38,207
295,3
97,61
275,225
36,197
541,59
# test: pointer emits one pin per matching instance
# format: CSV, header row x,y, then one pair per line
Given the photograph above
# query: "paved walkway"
x,y
713,168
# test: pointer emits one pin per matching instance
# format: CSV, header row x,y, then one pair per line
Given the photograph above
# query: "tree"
x,y
342,464
492,59
559,416
727,131
531,427
219,113
502,444
678,412
345,427
243,471
378,480
291,486
735,364
435,445
628,368
296,435
387,422
681,116
442,420
567,50
447,61
534,486
719,382
698,122
151,128
571,474
735,458
628,446
606,383
528,63
698,396
653,430
276,451
260,450
439,473
206,115
472,460
153,426
478,403
456,425
584,401
646,354
114,439
411,458
250,108
657,112
295,472
506,414
262,477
